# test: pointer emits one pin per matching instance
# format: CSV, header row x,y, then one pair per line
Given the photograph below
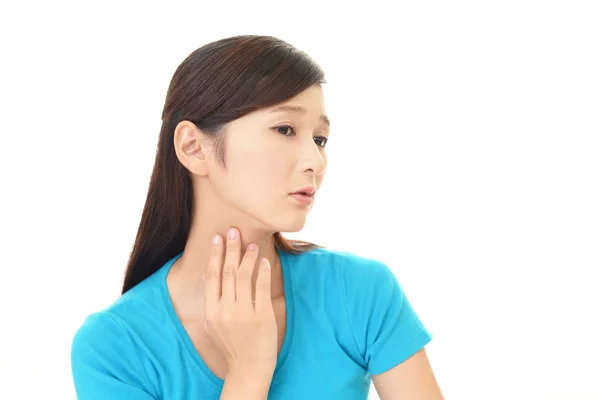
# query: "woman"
x,y
216,303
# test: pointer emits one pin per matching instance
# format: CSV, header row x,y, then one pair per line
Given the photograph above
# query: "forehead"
x,y
308,102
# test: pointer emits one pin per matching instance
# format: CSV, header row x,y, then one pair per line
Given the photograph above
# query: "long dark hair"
x,y
217,83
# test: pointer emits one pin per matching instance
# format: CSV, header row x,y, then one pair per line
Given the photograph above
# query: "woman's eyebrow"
x,y
299,109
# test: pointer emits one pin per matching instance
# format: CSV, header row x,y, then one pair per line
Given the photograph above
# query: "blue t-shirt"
x,y
347,319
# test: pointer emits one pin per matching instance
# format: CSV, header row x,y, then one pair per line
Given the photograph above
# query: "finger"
x,y
243,285
212,282
230,266
263,287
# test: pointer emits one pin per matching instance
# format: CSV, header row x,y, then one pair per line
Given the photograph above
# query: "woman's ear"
x,y
191,148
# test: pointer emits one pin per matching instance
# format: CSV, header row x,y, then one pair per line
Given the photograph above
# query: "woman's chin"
x,y
295,225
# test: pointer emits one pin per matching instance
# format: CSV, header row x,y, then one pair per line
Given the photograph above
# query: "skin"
x,y
266,161
263,167
268,156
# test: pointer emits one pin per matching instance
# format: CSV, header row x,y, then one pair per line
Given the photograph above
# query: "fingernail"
x,y
232,233
266,264
203,278
216,239
252,246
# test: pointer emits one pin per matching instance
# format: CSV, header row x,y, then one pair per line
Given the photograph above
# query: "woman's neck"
x,y
185,276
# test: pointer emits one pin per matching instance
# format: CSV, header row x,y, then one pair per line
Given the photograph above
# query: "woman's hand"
x,y
245,331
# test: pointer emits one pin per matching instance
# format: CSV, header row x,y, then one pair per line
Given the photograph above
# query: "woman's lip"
x,y
303,198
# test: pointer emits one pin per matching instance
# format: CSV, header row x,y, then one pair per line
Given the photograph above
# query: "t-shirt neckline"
x,y
187,342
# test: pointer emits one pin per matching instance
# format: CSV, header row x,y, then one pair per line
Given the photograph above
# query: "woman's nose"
x,y
313,159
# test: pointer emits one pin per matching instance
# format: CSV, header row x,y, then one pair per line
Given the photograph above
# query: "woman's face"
x,y
270,154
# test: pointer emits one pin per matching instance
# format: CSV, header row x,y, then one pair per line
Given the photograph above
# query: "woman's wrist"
x,y
250,379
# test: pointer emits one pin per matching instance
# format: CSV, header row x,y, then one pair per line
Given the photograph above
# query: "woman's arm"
x,y
246,384
411,379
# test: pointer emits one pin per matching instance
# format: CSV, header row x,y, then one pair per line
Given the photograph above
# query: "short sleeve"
x,y
105,363
386,328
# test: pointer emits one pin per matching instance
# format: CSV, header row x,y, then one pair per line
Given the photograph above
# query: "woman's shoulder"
x,y
104,349
340,271
343,262
136,308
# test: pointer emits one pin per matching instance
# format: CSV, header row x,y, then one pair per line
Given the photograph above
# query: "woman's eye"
x,y
321,141
284,127
288,130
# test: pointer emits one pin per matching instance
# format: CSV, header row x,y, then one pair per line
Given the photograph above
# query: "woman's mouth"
x,y
303,198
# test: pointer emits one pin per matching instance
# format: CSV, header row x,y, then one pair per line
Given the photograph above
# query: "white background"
x,y
464,152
